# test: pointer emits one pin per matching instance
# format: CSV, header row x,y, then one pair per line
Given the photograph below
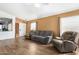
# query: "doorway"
x,y
16,30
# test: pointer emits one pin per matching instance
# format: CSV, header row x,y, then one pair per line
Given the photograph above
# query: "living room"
x,y
52,30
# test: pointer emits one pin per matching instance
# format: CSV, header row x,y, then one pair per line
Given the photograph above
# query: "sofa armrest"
x,y
50,39
58,37
58,41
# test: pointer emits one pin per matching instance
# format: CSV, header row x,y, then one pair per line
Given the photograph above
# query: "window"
x,y
69,24
33,26
0,27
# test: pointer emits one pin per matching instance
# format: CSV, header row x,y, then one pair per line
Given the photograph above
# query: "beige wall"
x,y
47,23
51,23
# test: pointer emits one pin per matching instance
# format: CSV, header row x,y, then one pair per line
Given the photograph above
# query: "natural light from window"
x,y
0,27
33,26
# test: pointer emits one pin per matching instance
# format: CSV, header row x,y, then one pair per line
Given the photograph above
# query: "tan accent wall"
x,y
47,23
51,22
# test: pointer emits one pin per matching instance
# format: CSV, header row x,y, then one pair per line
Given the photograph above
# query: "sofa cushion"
x,y
45,33
38,36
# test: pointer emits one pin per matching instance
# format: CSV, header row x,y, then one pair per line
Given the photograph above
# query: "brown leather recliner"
x,y
66,43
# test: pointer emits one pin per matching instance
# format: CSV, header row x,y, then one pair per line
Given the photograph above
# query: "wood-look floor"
x,y
21,46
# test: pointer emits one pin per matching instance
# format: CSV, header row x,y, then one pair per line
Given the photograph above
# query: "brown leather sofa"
x,y
44,37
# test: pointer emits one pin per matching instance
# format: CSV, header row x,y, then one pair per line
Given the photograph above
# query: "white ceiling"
x,y
29,11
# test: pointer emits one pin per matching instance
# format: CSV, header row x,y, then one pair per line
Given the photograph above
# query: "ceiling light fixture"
x,y
37,5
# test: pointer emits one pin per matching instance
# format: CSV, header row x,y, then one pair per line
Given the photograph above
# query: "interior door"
x,y
16,29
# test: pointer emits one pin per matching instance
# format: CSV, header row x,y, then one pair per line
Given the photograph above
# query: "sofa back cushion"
x,y
41,33
45,33
69,35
